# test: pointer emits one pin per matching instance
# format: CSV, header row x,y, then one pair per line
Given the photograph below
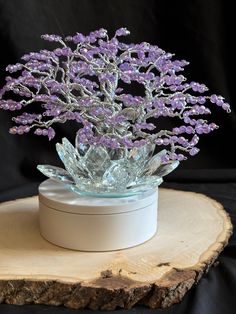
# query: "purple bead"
x,y
122,32
199,129
226,107
127,142
101,33
20,131
192,100
194,140
214,99
165,158
206,129
219,102
51,133
13,130
181,157
38,132
143,126
26,129
183,129
189,130
213,126
181,140
78,38
51,37
14,68
187,120
201,99
193,151
166,141
176,131
159,141
174,139
193,121
173,156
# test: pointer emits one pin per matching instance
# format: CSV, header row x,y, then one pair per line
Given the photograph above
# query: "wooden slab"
x,y
193,230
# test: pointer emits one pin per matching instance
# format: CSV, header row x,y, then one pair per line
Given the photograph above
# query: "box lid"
x,y
56,196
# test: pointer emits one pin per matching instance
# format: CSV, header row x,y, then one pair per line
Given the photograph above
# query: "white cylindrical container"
x,y
95,224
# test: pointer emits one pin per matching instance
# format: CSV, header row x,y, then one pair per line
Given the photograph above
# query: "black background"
x,y
201,32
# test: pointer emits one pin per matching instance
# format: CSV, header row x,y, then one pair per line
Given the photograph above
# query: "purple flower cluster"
x,y
85,80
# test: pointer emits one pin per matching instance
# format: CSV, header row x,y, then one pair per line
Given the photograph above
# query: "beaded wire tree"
x,y
85,80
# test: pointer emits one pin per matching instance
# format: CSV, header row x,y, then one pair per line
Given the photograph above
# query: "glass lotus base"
x,y
94,170
95,224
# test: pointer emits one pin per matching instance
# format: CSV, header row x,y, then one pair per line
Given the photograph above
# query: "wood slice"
x,y
193,230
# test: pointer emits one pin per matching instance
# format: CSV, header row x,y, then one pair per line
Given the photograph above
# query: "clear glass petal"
x,y
151,182
70,148
96,160
80,147
56,173
118,175
117,153
141,154
153,163
163,170
70,161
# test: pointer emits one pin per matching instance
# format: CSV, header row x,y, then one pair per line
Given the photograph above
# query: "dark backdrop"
x,y
198,31
201,31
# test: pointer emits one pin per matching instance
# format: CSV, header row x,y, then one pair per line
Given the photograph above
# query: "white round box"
x,y
93,223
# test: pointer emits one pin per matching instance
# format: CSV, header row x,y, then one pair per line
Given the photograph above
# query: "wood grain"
x,y
193,230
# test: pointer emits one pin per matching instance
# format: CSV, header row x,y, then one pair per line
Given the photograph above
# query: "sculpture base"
x,y
193,230
95,224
